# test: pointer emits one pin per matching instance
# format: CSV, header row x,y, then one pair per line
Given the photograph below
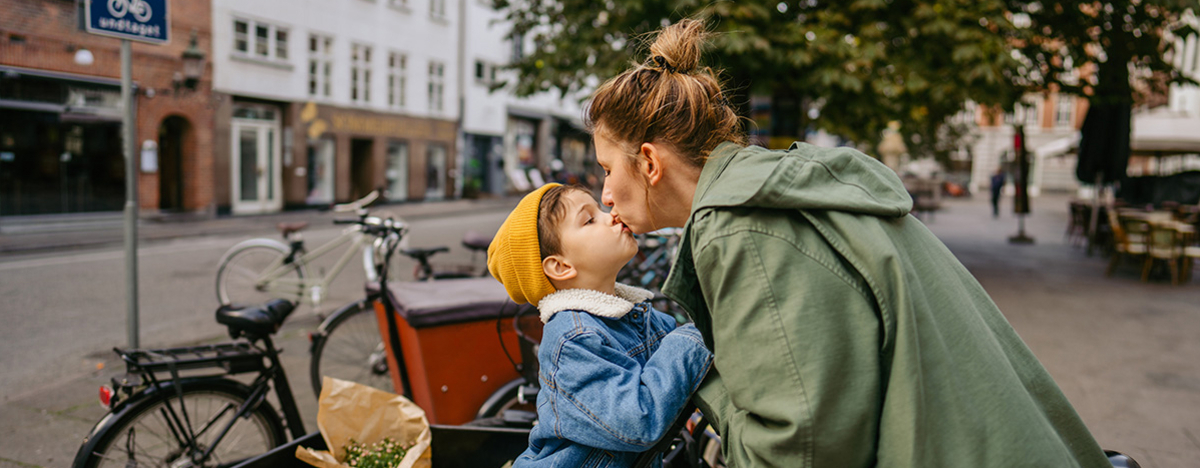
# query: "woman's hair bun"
x,y
680,45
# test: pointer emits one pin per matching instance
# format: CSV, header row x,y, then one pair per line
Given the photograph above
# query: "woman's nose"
x,y
606,196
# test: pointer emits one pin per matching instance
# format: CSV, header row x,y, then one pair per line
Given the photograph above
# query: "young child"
x,y
614,372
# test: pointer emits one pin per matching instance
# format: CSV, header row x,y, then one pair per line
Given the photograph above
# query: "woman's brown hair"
x,y
668,99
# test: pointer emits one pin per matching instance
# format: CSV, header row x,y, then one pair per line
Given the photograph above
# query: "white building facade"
x,y
319,102
509,142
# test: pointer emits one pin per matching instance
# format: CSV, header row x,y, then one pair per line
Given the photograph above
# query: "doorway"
x,y
361,168
170,163
256,173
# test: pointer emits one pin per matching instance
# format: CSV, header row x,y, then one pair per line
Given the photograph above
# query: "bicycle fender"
x,y
124,406
262,241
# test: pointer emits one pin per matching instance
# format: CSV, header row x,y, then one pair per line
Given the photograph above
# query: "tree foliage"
x,y
863,63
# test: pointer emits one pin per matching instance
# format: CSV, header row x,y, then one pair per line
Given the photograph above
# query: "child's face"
x,y
591,239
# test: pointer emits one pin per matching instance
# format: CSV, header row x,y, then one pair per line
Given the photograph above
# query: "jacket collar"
x,y
593,302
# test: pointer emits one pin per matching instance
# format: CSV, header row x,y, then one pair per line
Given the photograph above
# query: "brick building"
x,y
60,116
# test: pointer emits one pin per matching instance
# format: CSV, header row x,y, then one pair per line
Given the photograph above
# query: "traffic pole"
x,y
131,193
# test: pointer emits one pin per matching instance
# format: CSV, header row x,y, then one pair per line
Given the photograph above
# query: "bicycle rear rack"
x,y
234,358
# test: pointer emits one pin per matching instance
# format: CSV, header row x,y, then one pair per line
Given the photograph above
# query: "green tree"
x,y
863,63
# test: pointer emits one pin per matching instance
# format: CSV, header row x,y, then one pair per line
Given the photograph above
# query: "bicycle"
x,y
198,420
259,269
356,351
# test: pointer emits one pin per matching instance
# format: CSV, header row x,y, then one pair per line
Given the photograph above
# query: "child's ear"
x,y
558,268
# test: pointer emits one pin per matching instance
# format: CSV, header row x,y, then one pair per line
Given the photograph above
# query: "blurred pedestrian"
x,y
997,187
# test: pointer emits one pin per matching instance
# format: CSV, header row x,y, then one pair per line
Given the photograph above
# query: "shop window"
x,y
320,172
435,171
397,171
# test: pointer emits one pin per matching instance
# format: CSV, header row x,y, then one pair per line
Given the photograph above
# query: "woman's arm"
x,y
796,344
605,399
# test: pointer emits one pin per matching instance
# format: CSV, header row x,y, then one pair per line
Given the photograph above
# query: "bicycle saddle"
x,y
288,228
263,319
423,254
476,241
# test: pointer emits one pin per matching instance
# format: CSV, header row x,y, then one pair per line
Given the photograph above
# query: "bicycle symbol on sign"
x,y
140,9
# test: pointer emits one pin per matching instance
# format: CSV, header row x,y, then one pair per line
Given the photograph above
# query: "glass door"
x,y
255,167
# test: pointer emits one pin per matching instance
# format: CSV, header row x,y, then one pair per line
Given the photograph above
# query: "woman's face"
x,y
624,186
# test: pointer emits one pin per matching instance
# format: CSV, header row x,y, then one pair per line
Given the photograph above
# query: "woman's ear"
x,y
557,268
650,164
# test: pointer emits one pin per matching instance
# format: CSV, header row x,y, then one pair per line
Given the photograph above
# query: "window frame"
x,y
437,87
397,79
258,47
320,65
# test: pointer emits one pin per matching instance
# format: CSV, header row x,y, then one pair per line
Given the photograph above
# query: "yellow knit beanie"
x,y
514,257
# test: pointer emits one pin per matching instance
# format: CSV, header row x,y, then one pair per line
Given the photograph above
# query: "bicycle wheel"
x,y
348,347
242,277
144,433
505,399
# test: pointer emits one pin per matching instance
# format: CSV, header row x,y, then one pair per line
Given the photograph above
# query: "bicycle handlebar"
x,y
357,205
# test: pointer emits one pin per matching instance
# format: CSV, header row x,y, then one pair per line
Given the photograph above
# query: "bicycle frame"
x,y
313,288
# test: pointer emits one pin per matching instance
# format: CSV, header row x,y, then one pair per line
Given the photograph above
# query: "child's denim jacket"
x,y
614,374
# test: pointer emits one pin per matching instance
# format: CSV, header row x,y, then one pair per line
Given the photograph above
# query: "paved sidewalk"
x,y
32,234
1124,352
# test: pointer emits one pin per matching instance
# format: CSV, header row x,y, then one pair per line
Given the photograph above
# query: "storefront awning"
x,y
1165,133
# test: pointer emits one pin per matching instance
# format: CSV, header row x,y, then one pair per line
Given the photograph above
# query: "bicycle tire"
x,y
491,412
348,346
243,264
254,435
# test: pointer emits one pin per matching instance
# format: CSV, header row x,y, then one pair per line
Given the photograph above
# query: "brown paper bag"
x,y
349,410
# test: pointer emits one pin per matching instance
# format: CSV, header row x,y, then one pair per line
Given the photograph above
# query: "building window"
x,y
397,71
320,60
518,47
1023,114
1064,110
437,8
281,44
267,42
437,84
485,73
360,73
240,41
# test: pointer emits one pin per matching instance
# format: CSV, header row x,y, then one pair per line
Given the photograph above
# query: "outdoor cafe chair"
x,y
1166,245
1122,245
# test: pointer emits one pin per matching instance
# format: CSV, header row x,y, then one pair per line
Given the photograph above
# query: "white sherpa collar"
x,y
593,302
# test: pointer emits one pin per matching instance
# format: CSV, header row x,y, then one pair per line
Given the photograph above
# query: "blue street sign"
x,y
136,20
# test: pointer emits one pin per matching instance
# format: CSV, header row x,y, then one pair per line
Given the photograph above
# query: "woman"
x,y
845,334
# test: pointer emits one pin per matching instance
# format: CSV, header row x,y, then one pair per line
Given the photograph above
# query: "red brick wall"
x,y
51,33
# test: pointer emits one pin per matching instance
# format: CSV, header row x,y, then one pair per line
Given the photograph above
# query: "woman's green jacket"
x,y
846,335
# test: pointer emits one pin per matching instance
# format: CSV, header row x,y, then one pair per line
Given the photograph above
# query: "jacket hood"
x,y
804,177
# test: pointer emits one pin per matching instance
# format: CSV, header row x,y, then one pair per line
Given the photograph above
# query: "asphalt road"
x,y
63,314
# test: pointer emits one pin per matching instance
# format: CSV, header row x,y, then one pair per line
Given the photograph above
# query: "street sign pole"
x,y
131,192
130,20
